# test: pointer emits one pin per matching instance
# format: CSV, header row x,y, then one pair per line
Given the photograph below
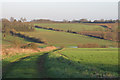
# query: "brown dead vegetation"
x,y
14,51
91,45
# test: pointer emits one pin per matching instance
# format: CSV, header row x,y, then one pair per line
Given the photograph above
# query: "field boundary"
x,y
32,39
73,32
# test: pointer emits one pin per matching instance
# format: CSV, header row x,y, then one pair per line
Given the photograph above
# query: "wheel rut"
x,y
41,65
40,60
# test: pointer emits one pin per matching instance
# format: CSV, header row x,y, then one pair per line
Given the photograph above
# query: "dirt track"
x,y
41,67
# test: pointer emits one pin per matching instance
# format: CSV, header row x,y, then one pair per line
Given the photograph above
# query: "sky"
x,y
59,10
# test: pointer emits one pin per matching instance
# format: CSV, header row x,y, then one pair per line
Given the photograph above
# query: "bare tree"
x,y
64,20
83,20
23,19
11,19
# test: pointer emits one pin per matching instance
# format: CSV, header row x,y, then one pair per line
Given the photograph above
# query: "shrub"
x,y
79,46
91,45
62,46
104,46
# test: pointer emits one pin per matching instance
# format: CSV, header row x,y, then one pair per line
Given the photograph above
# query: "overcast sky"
x,y
60,10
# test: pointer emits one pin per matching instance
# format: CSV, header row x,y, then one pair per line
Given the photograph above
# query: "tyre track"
x,y
41,64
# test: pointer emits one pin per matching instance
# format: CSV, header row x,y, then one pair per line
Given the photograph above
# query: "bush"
x,y
62,46
89,45
104,46
17,26
79,46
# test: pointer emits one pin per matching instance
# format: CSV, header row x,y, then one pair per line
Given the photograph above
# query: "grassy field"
x,y
11,41
77,27
83,63
20,66
66,39
61,63
64,63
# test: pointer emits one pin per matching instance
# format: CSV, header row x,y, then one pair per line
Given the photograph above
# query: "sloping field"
x,y
109,25
10,39
83,63
66,39
77,27
21,66
63,63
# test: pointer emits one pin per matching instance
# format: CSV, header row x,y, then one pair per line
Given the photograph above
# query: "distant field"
x,y
77,27
83,63
66,39
10,41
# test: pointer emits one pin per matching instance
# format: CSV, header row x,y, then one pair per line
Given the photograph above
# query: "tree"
x,y
102,20
64,20
5,24
15,20
84,20
23,19
11,19
19,21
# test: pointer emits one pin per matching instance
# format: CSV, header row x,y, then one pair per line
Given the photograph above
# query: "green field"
x,y
83,63
77,27
9,39
64,63
66,39
20,66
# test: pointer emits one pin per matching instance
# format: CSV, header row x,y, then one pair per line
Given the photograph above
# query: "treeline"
x,y
95,21
113,36
43,21
17,28
74,21
92,45
15,25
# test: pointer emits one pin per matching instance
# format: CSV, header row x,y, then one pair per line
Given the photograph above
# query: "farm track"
x,y
40,61
41,67
41,64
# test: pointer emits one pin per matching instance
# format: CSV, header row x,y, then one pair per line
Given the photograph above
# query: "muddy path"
x,y
41,65
32,66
